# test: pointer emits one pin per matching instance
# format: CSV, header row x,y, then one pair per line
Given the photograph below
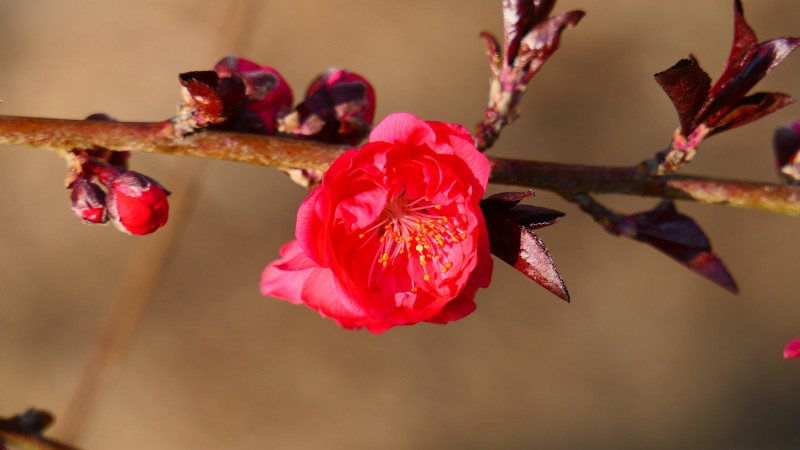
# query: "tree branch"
x,y
62,136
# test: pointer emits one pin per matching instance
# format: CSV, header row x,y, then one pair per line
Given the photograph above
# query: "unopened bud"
x,y
351,95
267,94
339,107
136,203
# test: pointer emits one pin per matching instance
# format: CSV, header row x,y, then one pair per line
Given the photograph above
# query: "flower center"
x,y
418,230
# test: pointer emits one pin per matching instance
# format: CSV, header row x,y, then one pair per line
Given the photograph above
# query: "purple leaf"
x,y
512,239
744,38
678,236
740,77
751,108
506,199
687,85
724,106
505,205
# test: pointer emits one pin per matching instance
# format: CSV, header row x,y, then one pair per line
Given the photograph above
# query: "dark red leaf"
x,y
506,199
523,250
744,38
786,144
710,266
741,76
687,85
750,108
540,43
505,206
536,263
678,236
666,224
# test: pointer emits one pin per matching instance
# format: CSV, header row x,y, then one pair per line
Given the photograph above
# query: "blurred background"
x,y
647,355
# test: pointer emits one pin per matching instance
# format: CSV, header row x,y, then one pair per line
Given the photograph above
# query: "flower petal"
x,y
299,280
792,349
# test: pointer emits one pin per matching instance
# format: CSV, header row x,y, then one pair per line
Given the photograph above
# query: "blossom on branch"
x,y
394,235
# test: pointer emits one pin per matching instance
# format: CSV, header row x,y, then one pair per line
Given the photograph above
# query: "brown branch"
x,y
160,137
565,179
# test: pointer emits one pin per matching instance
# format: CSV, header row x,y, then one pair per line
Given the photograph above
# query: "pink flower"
x,y
137,204
792,349
394,235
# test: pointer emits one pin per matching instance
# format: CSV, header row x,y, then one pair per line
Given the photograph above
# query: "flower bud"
x,y
88,201
136,203
350,94
267,94
339,107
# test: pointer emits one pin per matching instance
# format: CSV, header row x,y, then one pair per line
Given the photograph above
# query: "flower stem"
x,y
565,179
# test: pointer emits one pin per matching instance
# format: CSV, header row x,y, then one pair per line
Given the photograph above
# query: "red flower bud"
x,y
338,81
268,95
88,201
136,203
339,107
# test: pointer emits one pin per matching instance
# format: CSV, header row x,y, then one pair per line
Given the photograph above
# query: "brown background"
x,y
648,355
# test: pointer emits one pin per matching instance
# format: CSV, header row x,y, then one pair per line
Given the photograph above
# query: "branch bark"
x,y
62,136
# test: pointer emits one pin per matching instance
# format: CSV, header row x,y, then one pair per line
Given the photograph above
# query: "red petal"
x,y
792,349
